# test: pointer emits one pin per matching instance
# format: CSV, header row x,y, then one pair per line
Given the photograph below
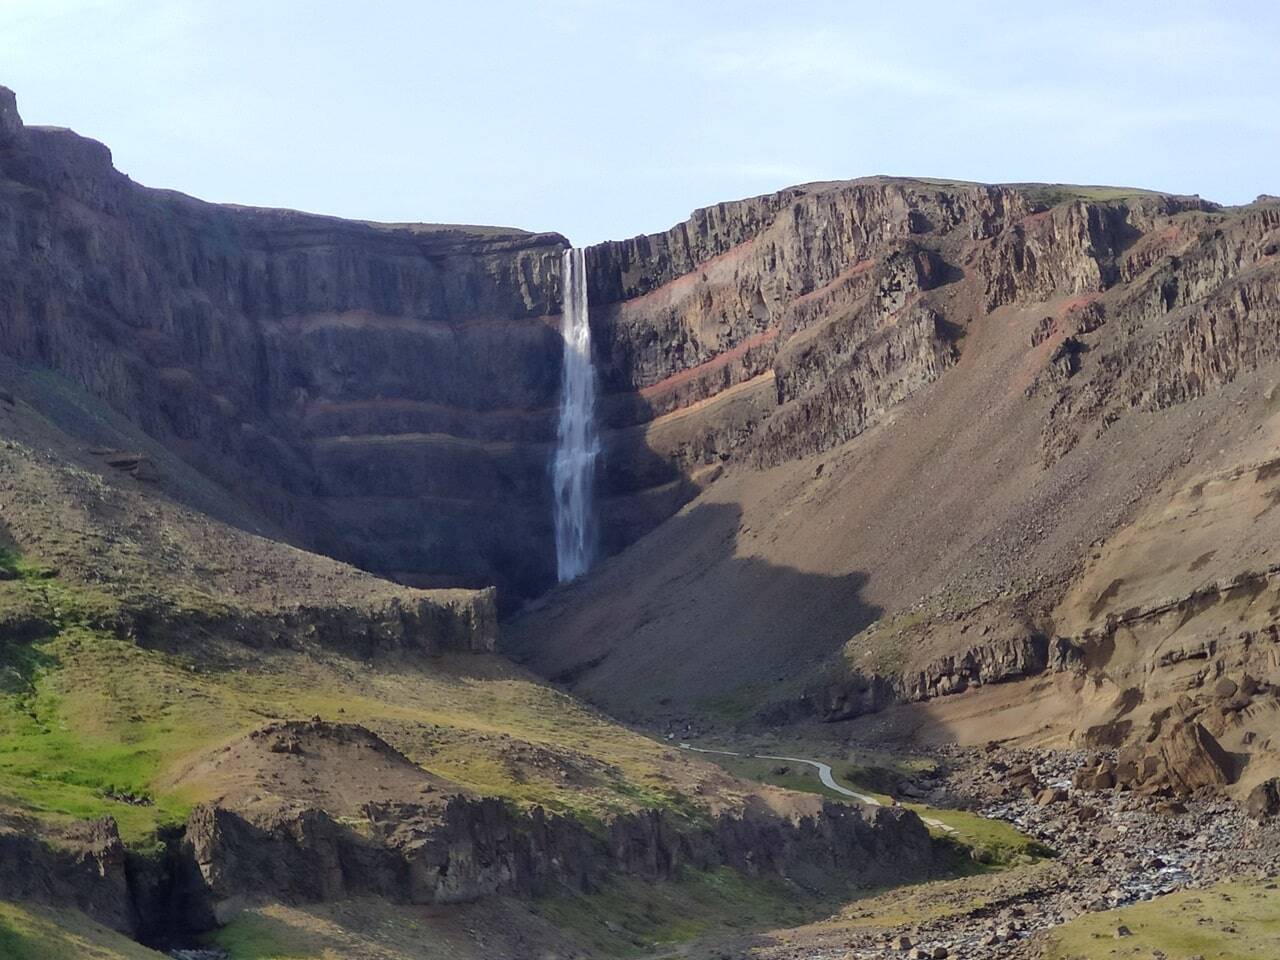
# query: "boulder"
x,y
1101,777
1183,759
1264,799
1022,777
994,791
1193,758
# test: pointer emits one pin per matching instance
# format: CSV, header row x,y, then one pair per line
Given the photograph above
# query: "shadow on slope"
x,y
43,398
786,619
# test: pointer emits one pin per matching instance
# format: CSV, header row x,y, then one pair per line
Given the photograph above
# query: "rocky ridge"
x,y
959,396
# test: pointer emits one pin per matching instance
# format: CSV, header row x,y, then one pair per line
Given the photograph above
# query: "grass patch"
x,y
32,932
933,901
259,936
881,649
990,843
30,591
1045,195
20,568
1230,921
628,918
98,720
778,773
631,918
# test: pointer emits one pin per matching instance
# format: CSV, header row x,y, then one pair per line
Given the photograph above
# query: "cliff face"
x,y
831,303
386,394
779,327
465,850
470,849
382,392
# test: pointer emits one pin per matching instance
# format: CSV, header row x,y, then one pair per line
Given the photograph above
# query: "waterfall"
x,y
574,466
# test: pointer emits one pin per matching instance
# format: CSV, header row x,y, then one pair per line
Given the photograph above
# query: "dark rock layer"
x,y
466,850
382,392
476,848
84,868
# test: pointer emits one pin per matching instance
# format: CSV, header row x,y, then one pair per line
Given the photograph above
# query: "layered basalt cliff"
x,y
829,298
786,291
116,554
383,393
1044,361
386,393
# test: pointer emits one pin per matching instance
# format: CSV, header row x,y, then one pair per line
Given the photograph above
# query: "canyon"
x,y
899,464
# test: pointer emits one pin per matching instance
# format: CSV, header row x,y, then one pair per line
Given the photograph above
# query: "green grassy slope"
x,y
31,932
87,718
1230,921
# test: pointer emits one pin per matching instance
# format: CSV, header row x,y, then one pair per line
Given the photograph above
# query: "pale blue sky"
x,y
606,118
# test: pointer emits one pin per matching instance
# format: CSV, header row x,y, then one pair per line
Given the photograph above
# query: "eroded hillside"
x,y
195,719
967,434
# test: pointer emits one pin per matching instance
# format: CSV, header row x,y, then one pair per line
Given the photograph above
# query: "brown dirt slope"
x,y
336,767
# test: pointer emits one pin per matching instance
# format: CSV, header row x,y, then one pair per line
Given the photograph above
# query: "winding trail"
x,y
824,774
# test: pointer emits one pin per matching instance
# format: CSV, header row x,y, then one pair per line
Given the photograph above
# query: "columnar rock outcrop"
x,y
472,848
460,851
856,692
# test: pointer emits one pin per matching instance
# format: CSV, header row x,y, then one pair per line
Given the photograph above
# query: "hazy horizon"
x,y
600,121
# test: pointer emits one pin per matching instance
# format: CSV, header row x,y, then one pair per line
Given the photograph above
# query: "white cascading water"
x,y
573,470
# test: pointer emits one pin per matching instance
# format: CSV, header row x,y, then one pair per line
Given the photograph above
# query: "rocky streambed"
x,y
1114,848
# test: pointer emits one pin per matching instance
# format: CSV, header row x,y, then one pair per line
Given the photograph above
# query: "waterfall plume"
x,y
573,469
